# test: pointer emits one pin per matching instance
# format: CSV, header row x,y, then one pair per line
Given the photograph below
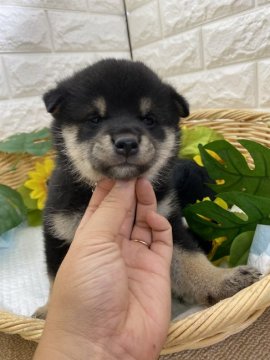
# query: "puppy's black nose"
x,y
126,146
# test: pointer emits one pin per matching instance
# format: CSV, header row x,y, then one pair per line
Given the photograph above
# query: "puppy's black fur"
x,y
117,119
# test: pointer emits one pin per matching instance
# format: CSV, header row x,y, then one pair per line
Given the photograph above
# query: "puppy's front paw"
x,y
236,280
194,278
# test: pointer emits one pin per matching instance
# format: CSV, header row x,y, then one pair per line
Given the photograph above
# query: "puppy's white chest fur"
x,y
166,206
63,226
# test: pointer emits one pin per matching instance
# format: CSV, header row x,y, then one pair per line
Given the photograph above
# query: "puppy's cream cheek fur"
x,y
79,155
165,150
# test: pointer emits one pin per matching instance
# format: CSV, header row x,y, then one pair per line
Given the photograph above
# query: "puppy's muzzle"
x,y
126,145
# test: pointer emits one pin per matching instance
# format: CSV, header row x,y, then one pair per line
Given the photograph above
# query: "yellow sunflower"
x,y
37,181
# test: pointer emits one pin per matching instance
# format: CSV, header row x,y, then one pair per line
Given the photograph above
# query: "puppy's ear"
x,y
180,103
53,100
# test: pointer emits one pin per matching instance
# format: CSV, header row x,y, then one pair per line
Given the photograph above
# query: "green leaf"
x,y
35,143
192,137
12,209
34,217
240,247
31,204
225,223
235,171
222,251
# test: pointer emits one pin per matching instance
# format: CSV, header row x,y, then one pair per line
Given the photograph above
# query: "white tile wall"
x,y
144,24
22,115
183,14
88,32
23,30
33,74
261,2
42,41
133,4
217,53
53,4
240,38
172,56
230,86
264,81
3,84
108,6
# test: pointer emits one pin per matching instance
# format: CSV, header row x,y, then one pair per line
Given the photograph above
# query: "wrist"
x,y
61,345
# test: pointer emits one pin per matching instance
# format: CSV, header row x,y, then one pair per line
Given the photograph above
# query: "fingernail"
x,y
124,183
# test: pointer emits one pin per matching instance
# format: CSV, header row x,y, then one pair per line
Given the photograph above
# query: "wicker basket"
x,y
205,327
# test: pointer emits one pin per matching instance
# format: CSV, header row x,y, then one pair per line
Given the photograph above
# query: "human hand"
x,y
111,297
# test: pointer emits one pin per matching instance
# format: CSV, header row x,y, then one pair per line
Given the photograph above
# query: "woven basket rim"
x,y
198,330
208,326
233,114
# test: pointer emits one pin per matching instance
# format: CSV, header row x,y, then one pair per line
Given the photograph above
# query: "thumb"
x,y
107,219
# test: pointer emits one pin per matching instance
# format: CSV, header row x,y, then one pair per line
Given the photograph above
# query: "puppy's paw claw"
x,y
237,279
240,278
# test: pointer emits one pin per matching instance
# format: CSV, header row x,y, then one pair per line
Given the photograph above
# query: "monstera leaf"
x,y
234,169
35,143
210,221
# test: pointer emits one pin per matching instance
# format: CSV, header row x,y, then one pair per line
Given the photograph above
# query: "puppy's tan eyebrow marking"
x,y
100,105
145,105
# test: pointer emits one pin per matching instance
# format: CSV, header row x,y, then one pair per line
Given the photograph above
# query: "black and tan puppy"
x,y
117,119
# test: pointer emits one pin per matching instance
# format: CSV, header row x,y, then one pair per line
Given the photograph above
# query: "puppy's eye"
x,y
95,119
149,120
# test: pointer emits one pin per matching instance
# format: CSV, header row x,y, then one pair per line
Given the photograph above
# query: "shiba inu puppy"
x,y
117,119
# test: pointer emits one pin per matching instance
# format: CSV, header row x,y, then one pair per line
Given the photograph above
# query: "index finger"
x,y
102,189
107,219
